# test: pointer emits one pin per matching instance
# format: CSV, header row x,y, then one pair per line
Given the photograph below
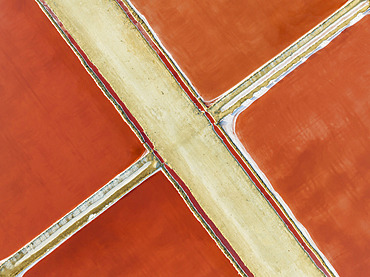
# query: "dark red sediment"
x,y
149,232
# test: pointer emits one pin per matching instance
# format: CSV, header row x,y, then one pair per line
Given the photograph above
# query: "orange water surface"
x,y
219,43
310,136
60,137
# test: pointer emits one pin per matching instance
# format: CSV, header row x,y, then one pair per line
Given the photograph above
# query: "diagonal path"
x,y
184,138
76,219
